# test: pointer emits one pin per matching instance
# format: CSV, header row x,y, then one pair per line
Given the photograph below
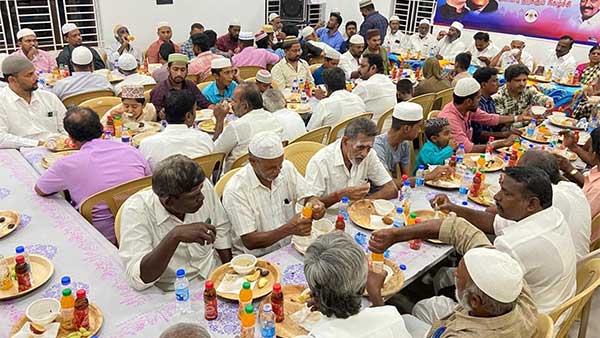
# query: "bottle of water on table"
x,y
420,177
460,153
531,128
182,293
463,191
267,322
344,207
399,218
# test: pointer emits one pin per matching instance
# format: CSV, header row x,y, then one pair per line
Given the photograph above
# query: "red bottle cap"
x,y
453,158
404,177
209,284
491,139
277,287
81,293
20,259
340,217
417,220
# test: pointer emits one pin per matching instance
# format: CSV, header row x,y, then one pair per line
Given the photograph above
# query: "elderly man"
x,y
351,29
264,80
162,73
187,47
350,61
185,330
395,40
332,60
72,36
180,136
373,19
513,54
292,123
230,42
291,67
262,196
247,105
164,32
182,208
376,90
339,103
28,47
449,43
337,273
423,41
177,65
200,65
223,85
374,47
515,98
561,62
97,166
464,109
482,50
251,56
82,80
330,34
275,21
349,166
128,67
28,117
122,45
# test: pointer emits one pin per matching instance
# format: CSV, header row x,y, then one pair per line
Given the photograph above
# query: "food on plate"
x,y
36,328
387,220
303,297
263,272
262,282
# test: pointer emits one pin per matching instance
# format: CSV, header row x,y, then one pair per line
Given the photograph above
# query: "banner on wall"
x,y
549,19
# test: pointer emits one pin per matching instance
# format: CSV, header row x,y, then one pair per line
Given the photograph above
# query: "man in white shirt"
x,y
128,67
122,45
449,43
28,117
395,40
350,167
423,41
82,80
562,62
513,54
178,224
292,123
179,137
482,50
3,82
262,196
252,119
376,90
339,105
337,273
349,61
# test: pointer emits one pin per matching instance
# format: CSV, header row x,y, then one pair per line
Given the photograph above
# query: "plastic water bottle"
x,y
420,177
406,190
399,218
460,153
163,125
267,322
182,293
65,282
583,123
20,250
531,128
295,86
463,191
344,207
593,124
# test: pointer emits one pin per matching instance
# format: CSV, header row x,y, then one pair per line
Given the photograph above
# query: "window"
x,y
411,12
312,14
46,18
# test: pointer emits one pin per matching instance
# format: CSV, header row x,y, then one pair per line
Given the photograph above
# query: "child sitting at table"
x,y
404,90
439,145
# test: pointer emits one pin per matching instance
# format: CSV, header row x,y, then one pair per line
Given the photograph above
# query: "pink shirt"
x,y
591,189
460,124
41,61
99,165
251,56
153,49
200,65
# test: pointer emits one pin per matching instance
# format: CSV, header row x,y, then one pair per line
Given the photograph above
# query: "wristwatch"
x,y
573,172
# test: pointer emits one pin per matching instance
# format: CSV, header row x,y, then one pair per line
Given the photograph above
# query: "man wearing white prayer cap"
x,y
28,47
350,61
82,80
395,40
450,43
72,35
122,43
423,41
331,60
261,198
512,54
264,79
252,56
164,33
128,67
275,21
223,85
308,33
230,43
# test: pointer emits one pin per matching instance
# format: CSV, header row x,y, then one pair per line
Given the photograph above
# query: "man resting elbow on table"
x,y
261,199
349,166
179,223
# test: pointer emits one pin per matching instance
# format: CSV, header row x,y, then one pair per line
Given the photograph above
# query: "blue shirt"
x,y
390,157
372,21
318,75
431,154
212,94
335,40
187,48
488,105
345,46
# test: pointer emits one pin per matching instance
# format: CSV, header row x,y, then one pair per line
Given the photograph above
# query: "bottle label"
x,y
67,317
278,311
210,309
247,332
420,181
378,266
268,331
24,281
182,295
81,319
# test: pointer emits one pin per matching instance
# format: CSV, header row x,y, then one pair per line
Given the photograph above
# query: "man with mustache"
x,y
164,33
482,6
28,47
422,41
291,67
230,42
72,35
589,10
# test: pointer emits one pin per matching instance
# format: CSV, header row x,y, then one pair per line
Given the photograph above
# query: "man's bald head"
x,y
185,330
543,160
82,124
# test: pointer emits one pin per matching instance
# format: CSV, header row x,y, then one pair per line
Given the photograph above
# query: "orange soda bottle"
x,y
67,304
248,321
245,297
377,262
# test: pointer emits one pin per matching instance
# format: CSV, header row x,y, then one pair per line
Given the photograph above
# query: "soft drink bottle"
x,y
248,322
182,293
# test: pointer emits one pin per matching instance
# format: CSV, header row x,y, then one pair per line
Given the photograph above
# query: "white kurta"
x,y
489,52
292,123
395,43
424,44
448,50
372,322
561,66
508,59
340,105
378,93
349,64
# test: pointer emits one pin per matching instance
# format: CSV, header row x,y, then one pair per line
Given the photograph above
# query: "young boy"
x,y
404,90
439,145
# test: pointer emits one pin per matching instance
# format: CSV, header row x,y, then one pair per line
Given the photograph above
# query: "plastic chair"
x,y
203,85
333,135
595,244
77,99
382,119
316,60
210,163
318,135
442,98
147,95
588,280
251,79
425,101
433,114
192,77
240,161
118,225
545,327
248,71
314,67
149,87
101,104
220,186
300,153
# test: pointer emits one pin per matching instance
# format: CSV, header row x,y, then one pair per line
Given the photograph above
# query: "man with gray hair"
x,y
337,274
185,330
292,123
349,166
182,208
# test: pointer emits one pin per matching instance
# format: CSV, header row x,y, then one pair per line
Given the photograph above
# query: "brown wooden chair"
x,y
318,135
77,99
382,119
203,85
314,67
192,77
222,182
300,153
425,101
240,161
248,71
545,326
442,98
211,164
338,128
209,78
101,104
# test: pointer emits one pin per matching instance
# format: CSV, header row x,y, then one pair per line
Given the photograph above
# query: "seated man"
x,y
200,65
230,42
28,47
98,165
247,105
179,137
310,44
527,225
513,54
350,60
337,273
488,80
252,56
28,117
330,33
182,208
178,70
264,80
292,123
223,85
133,106
128,67
450,43
332,59
404,90
374,47
82,80
72,36
376,90
162,73
395,41
464,109
462,62
122,46
291,67
187,47
349,166
185,330
262,196
482,50
422,41
339,104
561,62
164,33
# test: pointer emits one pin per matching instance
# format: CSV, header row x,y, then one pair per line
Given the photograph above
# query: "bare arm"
x,y
298,225
388,191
